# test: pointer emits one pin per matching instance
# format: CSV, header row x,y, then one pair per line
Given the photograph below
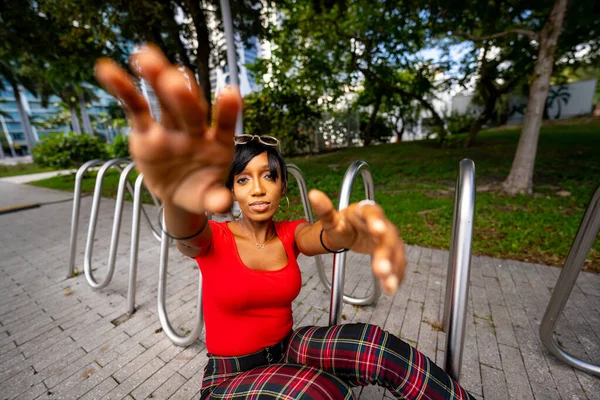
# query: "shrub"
x,y
119,148
60,150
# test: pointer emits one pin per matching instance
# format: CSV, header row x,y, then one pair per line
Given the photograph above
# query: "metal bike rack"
x,y
177,339
89,246
123,184
339,260
459,268
357,301
135,239
75,214
588,230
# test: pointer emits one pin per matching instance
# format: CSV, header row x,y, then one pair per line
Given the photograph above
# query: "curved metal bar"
x,y
295,171
75,214
89,247
588,230
178,340
459,268
138,207
297,174
339,260
135,244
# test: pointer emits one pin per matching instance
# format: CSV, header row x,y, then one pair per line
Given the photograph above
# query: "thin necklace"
x,y
261,246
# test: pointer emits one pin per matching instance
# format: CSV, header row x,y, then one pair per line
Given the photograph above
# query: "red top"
x,y
246,310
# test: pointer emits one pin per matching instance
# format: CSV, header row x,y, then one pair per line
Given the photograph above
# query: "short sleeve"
x,y
287,230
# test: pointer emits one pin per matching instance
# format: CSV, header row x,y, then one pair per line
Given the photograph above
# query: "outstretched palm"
x,y
183,160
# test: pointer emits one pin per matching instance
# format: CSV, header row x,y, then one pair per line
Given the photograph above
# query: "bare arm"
x,y
184,161
181,223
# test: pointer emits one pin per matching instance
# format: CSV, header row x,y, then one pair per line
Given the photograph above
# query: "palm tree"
x,y
558,94
15,77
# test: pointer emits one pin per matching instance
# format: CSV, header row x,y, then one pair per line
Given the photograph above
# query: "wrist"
x,y
327,246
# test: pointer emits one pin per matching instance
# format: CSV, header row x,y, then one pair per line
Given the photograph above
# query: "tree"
x,y
187,31
559,95
364,44
21,43
541,24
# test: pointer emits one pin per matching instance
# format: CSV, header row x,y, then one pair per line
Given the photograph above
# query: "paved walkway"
x,y
59,339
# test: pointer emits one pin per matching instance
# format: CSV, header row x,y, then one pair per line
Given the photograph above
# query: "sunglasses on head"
x,y
266,140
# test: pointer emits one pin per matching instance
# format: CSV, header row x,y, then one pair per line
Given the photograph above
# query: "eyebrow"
x,y
262,168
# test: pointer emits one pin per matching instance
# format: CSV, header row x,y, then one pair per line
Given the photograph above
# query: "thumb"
x,y
323,208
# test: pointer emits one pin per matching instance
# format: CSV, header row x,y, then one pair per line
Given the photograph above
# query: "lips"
x,y
259,206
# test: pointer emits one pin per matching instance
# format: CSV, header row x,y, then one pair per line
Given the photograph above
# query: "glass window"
x,y
17,135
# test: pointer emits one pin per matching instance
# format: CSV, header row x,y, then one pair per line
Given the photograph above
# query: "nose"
x,y
258,188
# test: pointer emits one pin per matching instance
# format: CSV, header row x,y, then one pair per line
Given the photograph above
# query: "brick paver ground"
x,y
59,339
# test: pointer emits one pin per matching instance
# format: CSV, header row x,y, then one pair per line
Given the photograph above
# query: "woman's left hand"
x,y
363,227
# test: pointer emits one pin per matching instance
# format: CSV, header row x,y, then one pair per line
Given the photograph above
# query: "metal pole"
x,y
135,244
231,56
459,268
339,260
75,214
588,230
178,340
89,247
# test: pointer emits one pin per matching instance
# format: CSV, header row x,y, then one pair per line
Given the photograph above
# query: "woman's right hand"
x,y
184,161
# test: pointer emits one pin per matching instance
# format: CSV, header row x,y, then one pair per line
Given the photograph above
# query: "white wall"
x,y
576,99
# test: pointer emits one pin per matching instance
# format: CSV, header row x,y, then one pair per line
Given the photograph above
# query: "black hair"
x,y
244,153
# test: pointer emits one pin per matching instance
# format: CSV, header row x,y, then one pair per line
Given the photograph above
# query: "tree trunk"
x,y
367,134
74,120
401,133
520,179
24,117
485,116
85,117
202,51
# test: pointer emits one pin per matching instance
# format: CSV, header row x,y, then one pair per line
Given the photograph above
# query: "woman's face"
x,y
256,191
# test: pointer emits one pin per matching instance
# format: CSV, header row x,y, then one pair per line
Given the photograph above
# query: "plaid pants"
x,y
324,363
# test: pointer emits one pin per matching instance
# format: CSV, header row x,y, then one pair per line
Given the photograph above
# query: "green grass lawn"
x,y
415,185
21,169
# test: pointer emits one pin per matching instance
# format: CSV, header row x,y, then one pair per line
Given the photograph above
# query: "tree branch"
x,y
525,32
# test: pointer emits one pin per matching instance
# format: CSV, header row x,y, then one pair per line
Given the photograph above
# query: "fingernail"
x,y
385,267
378,225
392,283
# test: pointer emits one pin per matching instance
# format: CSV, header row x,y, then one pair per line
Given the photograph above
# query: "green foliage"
x,y
460,123
119,148
382,129
284,113
60,150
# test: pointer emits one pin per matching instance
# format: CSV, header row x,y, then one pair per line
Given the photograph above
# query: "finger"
x,y
200,196
400,263
218,200
324,209
181,98
227,109
148,64
117,82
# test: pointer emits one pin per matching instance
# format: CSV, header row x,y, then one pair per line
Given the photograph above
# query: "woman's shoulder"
x,y
289,227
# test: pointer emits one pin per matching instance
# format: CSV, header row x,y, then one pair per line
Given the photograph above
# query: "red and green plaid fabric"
x,y
322,362
283,382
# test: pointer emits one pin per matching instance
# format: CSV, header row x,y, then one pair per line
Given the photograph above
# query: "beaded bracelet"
x,y
160,213
325,247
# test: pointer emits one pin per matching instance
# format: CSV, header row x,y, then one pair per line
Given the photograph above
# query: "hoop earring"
x,y
288,205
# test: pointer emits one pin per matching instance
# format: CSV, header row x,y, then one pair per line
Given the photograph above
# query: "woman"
x,y
249,268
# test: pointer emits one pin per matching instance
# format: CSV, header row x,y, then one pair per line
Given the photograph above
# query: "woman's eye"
x,y
269,177
241,181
